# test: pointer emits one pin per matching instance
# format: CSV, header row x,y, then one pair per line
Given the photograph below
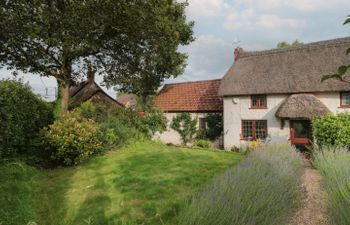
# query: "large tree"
x,y
120,39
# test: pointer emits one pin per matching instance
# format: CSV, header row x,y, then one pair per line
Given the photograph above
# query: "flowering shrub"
x,y
74,138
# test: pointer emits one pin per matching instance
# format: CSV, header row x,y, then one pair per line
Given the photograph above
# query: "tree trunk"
x,y
65,86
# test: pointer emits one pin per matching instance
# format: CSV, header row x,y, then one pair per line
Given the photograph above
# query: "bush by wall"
x,y
73,137
22,115
263,189
334,164
332,130
185,126
214,127
203,144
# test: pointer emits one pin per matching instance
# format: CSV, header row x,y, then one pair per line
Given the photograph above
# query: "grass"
x,y
263,189
334,165
16,192
144,183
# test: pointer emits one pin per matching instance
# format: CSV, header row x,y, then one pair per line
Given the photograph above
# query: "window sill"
x,y
344,107
258,108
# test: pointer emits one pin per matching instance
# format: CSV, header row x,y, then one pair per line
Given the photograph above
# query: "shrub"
x,y
203,144
263,189
125,124
22,115
334,164
214,122
332,130
185,126
74,137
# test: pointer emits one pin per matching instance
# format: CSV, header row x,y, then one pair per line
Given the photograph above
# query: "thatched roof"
x,y
301,106
290,70
90,90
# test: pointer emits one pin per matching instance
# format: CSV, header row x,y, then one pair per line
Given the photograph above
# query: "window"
x,y
345,99
202,124
254,129
258,102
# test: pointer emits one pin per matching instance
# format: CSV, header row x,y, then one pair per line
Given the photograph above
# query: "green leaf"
x,y
342,70
348,51
347,21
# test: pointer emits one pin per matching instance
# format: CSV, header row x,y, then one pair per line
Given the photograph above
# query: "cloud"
x,y
201,9
249,19
209,58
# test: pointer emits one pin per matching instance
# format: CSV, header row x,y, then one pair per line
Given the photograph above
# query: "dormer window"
x,y
345,99
258,102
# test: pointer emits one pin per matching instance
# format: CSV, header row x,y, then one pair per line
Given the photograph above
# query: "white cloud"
x,y
209,58
251,20
200,9
296,5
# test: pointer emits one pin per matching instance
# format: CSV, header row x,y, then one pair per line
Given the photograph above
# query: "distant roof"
x,y
89,90
127,100
289,70
190,96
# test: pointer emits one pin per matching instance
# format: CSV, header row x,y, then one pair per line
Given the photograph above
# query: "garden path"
x,y
313,210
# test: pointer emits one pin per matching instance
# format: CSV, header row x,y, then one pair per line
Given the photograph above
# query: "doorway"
x,y
300,133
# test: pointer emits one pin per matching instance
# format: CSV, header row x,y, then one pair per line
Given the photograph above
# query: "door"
x,y
300,132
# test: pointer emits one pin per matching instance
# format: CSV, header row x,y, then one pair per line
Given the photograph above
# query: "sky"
x,y
222,25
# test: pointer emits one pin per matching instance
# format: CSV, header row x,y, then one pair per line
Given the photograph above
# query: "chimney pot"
x,y
90,75
237,51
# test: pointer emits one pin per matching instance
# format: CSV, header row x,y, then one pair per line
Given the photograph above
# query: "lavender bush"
x,y
334,165
263,189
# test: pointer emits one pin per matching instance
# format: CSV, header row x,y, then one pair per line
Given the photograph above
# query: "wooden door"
x,y
300,132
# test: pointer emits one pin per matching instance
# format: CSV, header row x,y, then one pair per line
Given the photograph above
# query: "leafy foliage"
x,y
203,144
118,125
263,189
332,130
185,126
132,43
74,137
214,127
285,44
22,114
342,70
334,164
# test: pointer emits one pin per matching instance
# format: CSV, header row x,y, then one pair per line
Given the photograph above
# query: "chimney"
x,y
237,51
90,75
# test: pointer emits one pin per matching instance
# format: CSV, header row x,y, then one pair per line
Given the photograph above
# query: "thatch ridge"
x,y
287,71
301,106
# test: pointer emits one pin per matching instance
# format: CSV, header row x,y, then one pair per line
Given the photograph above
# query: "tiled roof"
x,y
190,96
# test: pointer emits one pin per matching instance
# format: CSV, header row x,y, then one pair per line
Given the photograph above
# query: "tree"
x,y
343,69
285,44
118,39
158,58
185,126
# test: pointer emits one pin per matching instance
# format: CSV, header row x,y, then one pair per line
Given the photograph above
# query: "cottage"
x,y
90,90
275,93
197,98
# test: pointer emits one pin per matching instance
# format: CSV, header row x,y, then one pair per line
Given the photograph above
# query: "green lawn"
x,y
144,183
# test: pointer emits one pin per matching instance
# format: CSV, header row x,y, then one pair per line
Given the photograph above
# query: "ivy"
x,y
185,126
